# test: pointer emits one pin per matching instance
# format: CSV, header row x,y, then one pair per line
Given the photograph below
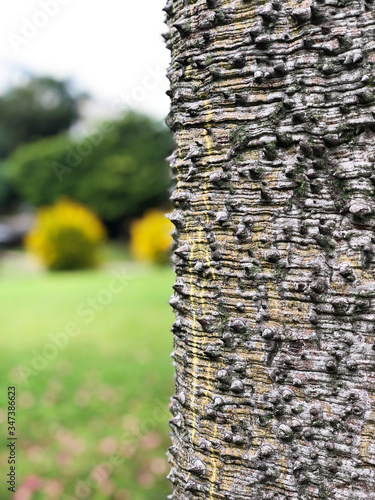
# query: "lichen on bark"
x,y
274,339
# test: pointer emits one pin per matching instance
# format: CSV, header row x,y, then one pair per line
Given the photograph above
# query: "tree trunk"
x,y
273,113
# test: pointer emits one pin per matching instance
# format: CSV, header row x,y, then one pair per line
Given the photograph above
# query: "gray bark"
x,y
273,114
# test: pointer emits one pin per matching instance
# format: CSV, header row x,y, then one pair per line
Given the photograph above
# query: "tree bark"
x,y
273,114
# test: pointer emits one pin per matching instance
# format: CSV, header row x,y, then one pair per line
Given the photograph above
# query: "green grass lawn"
x,y
92,408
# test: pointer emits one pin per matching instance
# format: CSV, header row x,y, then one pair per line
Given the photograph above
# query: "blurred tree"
x,y
41,108
119,171
151,237
66,236
6,189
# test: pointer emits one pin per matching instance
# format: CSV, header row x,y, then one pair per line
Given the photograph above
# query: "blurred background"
x,y
84,248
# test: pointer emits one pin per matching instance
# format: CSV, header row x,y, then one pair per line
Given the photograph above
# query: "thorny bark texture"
x,y
273,113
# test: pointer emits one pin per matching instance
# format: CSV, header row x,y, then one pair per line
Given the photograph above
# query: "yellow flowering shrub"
x,y
150,237
66,236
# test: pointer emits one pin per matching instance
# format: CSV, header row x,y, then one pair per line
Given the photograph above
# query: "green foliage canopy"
x,y
42,107
119,170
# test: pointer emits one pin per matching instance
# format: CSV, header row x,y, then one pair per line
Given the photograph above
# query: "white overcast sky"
x,y
111,48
